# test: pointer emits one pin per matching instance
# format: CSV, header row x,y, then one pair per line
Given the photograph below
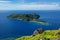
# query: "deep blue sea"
x,y
18,28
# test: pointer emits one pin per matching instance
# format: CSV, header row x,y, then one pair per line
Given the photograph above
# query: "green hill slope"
x,y
46,35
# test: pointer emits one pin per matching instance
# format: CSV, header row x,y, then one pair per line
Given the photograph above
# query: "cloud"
x,y
30,6
4,1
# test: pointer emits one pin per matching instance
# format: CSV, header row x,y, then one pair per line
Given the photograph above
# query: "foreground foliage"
x,y
46,35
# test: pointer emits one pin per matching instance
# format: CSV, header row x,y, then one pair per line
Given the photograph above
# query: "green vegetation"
x,y
27,17
46,35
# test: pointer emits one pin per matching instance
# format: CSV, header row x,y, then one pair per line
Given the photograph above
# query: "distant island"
x,y
27,17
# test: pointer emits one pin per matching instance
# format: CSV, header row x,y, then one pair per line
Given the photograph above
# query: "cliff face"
x,y
46,35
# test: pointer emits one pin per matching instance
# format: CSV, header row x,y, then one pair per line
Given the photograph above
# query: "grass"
x,y
48,34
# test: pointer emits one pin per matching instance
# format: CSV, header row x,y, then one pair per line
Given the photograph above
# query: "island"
x,y
43,35
27,17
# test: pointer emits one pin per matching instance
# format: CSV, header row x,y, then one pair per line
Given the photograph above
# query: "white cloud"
x,y
31,6
4,1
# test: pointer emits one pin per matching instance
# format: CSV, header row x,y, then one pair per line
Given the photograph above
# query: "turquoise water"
x,y
17,28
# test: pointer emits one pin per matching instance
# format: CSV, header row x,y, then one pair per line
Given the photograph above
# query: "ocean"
x,y
18,28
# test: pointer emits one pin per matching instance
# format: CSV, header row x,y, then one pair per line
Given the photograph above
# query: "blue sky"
x,y
29,4
33,0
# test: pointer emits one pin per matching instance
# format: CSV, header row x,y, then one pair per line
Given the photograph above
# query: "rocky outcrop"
x,y
38,31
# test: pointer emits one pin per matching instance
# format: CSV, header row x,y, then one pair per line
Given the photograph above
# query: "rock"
x,y
59,28
58,33
38,31
56,39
